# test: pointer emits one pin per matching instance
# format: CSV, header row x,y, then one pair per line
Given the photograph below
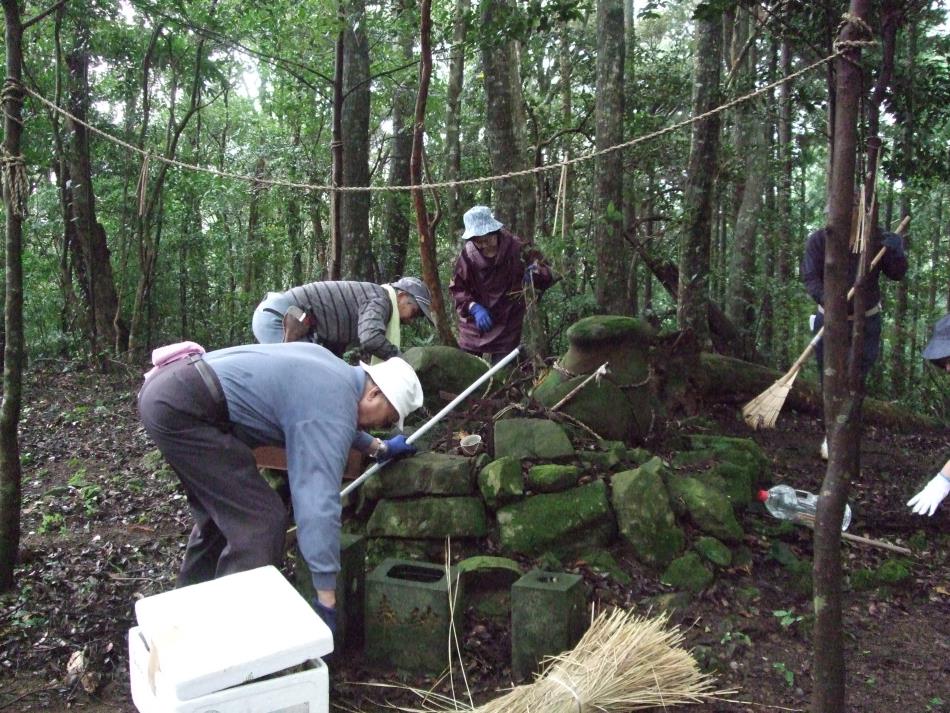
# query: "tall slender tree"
x,y
693,289
609,244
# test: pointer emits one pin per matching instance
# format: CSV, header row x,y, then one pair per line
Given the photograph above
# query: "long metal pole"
x,y
435,419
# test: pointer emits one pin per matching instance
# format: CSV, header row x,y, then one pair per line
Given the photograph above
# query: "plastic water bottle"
x,y
786,503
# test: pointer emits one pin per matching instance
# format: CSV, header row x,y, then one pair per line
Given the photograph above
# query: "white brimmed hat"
x,y
399,384
479,221
939,345
419,292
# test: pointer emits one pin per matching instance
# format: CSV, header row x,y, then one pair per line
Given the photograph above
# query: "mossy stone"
x,y
644,516
601,405
713,551
487,581
442,368
552,478
429,517
709,509
689,573
570,521
892,571
602,561
531,438
428,473
501,482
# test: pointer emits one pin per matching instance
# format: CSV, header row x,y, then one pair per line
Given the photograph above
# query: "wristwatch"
x,y
381,450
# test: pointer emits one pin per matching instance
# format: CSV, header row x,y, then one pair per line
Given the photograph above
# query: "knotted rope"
x,y
16,185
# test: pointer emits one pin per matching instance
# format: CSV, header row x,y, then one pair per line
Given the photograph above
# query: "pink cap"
x,y
762,495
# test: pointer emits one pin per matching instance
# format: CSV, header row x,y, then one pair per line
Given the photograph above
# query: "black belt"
x,y
210,380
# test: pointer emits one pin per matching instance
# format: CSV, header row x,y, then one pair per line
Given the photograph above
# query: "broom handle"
x,y
435,419
809,521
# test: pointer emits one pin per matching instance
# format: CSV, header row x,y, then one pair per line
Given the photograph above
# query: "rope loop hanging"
x,y
16,185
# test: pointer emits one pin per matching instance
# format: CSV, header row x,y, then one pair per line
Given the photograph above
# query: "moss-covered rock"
x,y
637,456
552,478
603,562
687,572
501,482
623,342
601,406
644,516
709,509
892,571
739,451
443,369
571,521
429,517
674,604
712,550
487,582
428,473
531,438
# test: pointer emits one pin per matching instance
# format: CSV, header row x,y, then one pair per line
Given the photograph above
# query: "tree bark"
x,y
95,266
453,103
335,248
395,219
783,196
613,265
430,266
358,262
899,357
504,119
693,304
13,351
842,396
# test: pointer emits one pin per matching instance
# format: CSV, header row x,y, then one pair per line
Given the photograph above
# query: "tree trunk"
x,y
395,205
255,252
842,401
783,197
751,146
504,119
899,357
151,221
565,66
95,269
453,102
693,288
430,265
335,248
15,210
358,263
612,260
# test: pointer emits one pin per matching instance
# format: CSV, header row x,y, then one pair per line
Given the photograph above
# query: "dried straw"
x,y
623,663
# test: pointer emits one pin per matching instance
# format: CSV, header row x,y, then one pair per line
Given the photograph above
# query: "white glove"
x,y
926,501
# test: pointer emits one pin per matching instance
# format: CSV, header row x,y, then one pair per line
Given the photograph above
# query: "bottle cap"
x,y
762,495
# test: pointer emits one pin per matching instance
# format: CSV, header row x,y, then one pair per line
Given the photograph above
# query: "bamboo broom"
x,y
622,663
763,410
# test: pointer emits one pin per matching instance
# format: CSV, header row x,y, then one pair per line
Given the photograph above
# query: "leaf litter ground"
x,y
104,523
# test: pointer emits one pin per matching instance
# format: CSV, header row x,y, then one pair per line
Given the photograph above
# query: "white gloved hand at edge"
x,y
926,501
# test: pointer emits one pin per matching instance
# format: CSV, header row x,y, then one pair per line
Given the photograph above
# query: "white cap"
x,y
479,221
399,384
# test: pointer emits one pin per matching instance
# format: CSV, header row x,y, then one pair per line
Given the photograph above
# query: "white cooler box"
x,y
201,649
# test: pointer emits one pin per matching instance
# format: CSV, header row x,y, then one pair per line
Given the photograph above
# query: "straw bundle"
x,y
623,663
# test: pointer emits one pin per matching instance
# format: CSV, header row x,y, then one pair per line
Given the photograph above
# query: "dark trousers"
x,y
240,521
872,343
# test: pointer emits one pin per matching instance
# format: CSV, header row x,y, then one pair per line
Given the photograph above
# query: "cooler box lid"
x,y
217,634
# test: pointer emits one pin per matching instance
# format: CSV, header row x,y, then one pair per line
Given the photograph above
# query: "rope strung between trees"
x,y
16,185
560,165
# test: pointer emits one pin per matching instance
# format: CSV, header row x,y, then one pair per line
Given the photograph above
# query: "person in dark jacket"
x,y
338,314
893,264
937,352
488,285
206,413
